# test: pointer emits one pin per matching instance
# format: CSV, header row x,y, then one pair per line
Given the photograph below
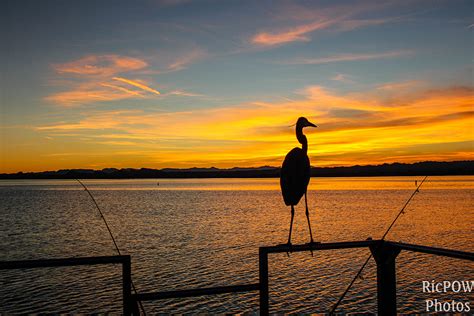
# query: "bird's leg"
x,y
307,216
309,223
291,226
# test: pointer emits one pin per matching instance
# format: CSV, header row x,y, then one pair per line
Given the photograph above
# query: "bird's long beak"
x,y
311,124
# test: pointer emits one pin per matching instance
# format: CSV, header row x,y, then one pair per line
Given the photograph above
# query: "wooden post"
x,y
385,255
263,281
127,286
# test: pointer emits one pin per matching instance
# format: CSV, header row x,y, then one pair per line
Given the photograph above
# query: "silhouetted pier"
x,y
384,253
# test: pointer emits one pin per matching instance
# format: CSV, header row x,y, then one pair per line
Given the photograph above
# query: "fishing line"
x,y
358,274
111,236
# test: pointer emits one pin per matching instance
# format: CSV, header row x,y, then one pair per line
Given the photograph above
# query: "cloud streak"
x,y
349,57
101,65
102,78
183,61
93,79
342,78
131,92
294,34
91,93
338,18
137,84
184,93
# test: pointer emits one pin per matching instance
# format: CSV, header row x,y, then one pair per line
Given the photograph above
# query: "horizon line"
x,y
236,167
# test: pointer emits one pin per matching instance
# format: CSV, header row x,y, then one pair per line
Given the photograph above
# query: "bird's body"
x,y
295,174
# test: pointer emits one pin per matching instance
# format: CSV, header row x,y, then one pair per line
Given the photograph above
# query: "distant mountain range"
x,y
393,169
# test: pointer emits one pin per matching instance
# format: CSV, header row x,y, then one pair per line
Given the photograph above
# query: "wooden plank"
x,y
196,292
44,263
435,251
319,246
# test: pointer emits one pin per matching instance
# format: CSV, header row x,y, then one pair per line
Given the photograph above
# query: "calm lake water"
x,y
206,232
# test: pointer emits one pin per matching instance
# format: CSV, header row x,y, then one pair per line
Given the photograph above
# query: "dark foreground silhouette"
x,y
295,174
394,169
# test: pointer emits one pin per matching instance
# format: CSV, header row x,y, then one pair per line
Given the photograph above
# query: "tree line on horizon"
x,y
392,169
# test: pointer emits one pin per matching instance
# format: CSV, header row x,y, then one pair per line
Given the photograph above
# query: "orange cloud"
x,y
136,84
96,73
101,78
97,121
294,34
353,128
101,65
89,93
337,18
132,92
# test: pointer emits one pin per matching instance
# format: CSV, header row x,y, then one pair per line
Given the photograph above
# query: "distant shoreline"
x,y
394,169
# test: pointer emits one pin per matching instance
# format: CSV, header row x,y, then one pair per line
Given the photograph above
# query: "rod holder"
x,y
385,255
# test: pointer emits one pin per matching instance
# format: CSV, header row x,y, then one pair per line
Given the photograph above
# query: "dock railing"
x,y
125,261
384,253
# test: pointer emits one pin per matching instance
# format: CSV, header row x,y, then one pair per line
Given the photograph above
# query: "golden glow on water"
x,y
206,232
252,184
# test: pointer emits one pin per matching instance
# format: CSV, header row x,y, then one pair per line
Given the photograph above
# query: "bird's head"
x,y
303,122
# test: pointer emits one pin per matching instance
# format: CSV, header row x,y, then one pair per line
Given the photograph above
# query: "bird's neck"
x,y
302,139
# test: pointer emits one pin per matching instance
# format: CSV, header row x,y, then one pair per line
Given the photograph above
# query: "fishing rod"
x,y
111,236
358,274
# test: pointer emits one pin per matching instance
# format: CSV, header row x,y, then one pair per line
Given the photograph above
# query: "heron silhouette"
x,y
295,174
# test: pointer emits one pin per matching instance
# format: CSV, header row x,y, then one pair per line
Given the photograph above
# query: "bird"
x,y
295,174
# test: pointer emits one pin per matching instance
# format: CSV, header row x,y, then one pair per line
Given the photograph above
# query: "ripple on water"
x,y
206,233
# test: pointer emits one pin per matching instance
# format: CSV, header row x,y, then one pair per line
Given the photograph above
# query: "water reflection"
x,y
337,183
192,233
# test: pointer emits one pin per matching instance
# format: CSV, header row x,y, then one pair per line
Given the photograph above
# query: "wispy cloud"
x,y
100,78
131,92
101,65
100,91
183,61
342,78
137,84
401,85
97,120
90,93
349,25
93,79
348,57
337,18
184,93
297,33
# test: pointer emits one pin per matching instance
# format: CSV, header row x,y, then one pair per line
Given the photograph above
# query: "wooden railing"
x,y
125,261
384,253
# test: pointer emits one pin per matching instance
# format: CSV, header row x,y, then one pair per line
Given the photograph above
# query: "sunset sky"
x,y
175,83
